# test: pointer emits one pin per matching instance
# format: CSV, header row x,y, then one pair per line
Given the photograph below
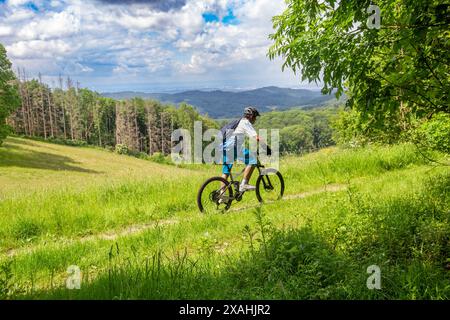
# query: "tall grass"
x,y
407,237
393,212
67,213
334,165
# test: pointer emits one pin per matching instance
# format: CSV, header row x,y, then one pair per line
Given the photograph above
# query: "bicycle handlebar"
x,y
268,149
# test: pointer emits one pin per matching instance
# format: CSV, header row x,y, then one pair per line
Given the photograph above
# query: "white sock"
x,y
244,181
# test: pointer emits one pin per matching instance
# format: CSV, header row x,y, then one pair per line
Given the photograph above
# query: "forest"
x,y
78,116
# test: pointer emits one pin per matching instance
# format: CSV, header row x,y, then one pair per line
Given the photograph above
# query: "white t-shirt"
x,y
243,129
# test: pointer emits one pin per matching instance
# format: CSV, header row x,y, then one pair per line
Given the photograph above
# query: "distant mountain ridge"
x,y
228,104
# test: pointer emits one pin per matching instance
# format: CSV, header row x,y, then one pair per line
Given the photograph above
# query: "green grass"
x,y
133,228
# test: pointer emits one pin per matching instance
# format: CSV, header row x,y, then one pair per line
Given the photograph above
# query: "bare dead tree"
x,y
63,106
30,116
162,132
41,91
50,106
136,127
69,85
24,117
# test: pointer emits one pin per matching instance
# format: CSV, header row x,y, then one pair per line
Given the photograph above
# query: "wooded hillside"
x,y
81,116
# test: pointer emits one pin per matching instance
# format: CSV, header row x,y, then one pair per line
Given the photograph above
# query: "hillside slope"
x,y
28,165
134,230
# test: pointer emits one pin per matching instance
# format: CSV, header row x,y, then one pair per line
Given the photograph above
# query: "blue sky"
x,y
145,45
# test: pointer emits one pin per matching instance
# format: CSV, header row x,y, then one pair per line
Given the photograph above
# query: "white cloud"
x,y
39,49
100,40
15,3
5,31
55,3
33,66
224,45
53,25
76,68
17,15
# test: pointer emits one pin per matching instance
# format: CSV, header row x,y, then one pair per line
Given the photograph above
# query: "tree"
x,y
399,71
316,127
296,139
134,126
9,97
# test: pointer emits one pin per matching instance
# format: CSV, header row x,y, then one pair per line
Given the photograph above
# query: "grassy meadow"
x,y
133,228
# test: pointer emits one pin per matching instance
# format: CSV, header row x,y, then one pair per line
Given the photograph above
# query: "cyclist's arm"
x,y
251,132
264,145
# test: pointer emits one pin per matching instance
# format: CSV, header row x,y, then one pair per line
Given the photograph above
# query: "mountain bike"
x,y
217,194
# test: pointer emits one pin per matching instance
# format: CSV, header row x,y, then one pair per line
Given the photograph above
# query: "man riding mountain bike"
x,y
218,193
234,134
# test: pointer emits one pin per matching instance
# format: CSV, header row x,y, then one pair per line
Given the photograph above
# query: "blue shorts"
x,y
246,157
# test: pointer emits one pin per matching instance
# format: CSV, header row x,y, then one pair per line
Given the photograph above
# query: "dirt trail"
x,y
139,228
133,229
326,188
109,235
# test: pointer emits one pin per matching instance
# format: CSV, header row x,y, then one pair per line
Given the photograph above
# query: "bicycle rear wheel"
x,y
213,197
270,186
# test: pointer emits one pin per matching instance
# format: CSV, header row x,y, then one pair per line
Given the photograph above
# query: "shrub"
x,y
122,149
159,158
142,155
435,133
5,130
75,143
348,129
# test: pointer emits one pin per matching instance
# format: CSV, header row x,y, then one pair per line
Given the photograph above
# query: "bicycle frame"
x,y
238,194
258,165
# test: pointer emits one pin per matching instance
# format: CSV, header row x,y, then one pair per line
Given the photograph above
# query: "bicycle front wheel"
x,y
215,195
269,186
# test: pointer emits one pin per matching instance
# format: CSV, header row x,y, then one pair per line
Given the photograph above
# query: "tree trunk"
x,y
44,122
50,106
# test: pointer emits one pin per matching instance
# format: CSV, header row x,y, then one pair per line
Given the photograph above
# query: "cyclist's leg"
x,y
249,157
226,167
250,160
